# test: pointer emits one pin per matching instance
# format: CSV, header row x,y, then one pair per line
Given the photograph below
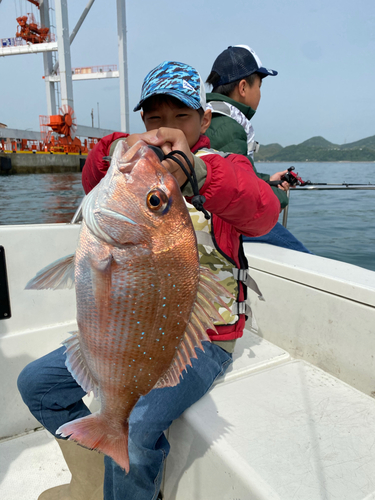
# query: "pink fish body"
x,y
139,292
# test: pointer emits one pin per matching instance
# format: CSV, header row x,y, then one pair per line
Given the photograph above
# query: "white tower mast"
x,y
48,61
63,46
123,65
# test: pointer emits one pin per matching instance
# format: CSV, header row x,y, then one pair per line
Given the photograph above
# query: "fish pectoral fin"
x,y
76,364
56,276
201,320
101,279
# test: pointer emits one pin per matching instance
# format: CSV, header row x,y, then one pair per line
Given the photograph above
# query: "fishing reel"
x,y
291,178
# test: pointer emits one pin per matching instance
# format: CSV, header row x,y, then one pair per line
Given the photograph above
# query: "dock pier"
x,y
12,163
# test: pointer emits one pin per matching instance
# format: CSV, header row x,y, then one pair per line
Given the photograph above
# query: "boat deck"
x,y
30,464
273,428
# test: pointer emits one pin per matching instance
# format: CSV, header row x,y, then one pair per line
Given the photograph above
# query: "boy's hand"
x,y
168,139
277,177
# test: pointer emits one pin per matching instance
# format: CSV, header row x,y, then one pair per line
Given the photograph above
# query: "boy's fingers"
x,y
277,175
168,139
148,137
176,171
175,137
166,147
133,138
169,134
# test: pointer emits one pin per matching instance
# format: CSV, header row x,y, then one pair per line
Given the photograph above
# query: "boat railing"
x,y
77,217
325,187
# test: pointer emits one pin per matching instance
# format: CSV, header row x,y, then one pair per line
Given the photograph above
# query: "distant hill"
x,y
369,142
319,149
318,142
270,150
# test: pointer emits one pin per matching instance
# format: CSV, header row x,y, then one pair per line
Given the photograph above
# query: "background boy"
x,y
175,116
236,79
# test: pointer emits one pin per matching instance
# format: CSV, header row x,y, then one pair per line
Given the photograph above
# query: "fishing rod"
x,y
335,187
293,180
309,183
300,185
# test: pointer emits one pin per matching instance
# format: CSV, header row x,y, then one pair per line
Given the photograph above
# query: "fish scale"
x,y
143,302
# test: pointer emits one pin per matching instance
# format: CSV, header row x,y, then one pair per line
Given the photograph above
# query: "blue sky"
x,y
324,51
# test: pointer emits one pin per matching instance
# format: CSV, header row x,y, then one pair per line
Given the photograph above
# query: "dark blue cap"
x,y
237,62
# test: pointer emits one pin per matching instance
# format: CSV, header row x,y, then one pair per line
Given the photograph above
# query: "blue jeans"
x,y
280,237
54,398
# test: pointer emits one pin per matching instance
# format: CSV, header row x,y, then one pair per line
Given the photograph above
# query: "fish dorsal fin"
x,y
77,365
120,150
58,275
203,314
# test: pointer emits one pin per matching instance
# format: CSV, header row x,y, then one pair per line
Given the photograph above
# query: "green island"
x,y
319,149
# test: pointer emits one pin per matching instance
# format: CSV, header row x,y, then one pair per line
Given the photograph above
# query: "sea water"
x,y
335,224
338,224
39,198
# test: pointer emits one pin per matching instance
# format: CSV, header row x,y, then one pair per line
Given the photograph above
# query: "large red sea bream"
x,y
143,302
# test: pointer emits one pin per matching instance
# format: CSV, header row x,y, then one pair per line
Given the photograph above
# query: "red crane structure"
x,y
35,2
35,34
64,125
29,30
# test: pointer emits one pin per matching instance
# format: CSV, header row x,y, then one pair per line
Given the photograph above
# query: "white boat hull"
x,y
293,417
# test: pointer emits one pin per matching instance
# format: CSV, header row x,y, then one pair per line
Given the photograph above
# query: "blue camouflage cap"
x,y
176,79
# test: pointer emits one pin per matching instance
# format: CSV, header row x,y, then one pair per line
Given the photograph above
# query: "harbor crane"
x,y
33,37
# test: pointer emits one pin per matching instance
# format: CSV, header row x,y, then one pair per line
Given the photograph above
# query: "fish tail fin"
x,y
95,433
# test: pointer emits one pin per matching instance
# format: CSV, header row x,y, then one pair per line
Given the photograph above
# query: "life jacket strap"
x,y
252,147
243,276
241,308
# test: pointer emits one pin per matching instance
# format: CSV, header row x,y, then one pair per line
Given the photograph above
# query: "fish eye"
x,y
157,200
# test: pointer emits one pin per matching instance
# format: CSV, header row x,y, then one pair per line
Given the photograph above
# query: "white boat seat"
x,y
288,431
253,353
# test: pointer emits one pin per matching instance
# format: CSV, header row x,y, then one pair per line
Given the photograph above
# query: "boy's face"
x,y
250,95
168,114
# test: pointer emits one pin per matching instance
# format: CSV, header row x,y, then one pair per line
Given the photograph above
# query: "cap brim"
x,y
189,101
266,72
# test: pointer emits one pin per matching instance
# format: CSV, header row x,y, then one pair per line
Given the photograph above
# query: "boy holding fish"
x,y
155,328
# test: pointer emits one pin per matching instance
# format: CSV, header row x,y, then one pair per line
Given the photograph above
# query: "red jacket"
x,y
95,167
239,202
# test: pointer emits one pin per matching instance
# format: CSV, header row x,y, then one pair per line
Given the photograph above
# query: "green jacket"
x,y
227,135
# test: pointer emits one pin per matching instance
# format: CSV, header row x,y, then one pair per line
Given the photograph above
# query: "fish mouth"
x,y
115,215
